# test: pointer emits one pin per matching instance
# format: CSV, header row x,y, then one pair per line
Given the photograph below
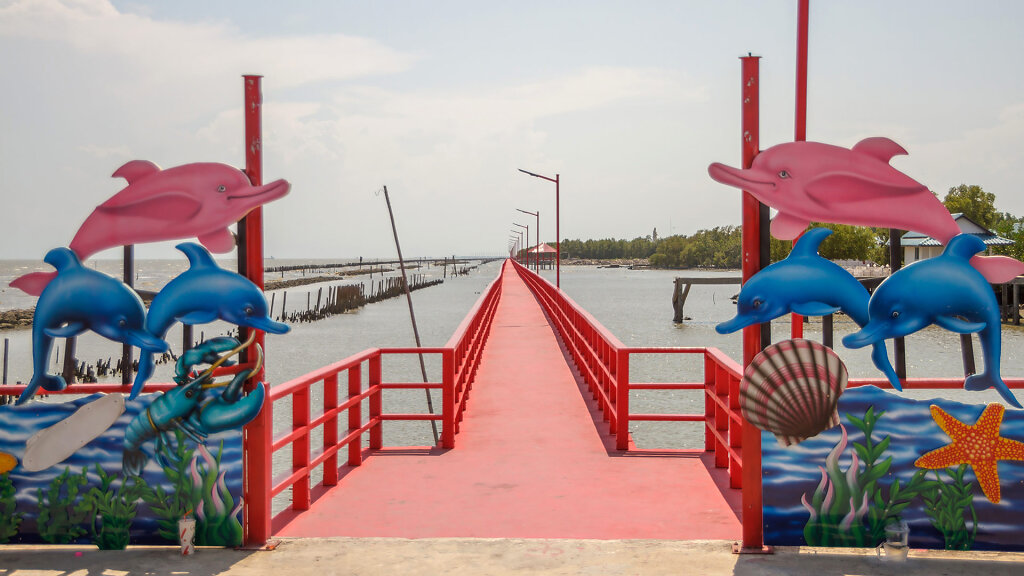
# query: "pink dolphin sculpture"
x,y
811,181
193,200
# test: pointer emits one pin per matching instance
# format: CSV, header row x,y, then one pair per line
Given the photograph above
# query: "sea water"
x,y
635,305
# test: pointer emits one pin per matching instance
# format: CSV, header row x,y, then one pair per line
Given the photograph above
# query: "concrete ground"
x,y
456,556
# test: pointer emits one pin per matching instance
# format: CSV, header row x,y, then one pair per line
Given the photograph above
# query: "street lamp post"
x,y
521,244
526,245
536,234
514,242
558,236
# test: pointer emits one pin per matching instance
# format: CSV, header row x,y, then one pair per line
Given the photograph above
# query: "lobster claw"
x,y
228,411
207,352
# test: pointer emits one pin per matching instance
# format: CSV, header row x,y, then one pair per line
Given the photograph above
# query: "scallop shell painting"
x,y
792,388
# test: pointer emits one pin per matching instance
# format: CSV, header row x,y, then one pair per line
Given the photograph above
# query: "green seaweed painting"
x,y
114,508
61,513
849,507
947,505
10,518
199,489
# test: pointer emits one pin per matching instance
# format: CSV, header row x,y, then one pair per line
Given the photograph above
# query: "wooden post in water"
x,y
69,360
412,314
895,263
7,344
129,280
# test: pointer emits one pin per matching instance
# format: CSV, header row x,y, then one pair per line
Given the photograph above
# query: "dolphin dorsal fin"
x,y
807,245
197,256
135,169
62,259
964,246
879,147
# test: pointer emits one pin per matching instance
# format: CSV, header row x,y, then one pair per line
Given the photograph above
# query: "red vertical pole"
x,y
621,398
257,439
752,512
558,241
331,429
300,449
536,261
800,130
448,398
375,404
355,416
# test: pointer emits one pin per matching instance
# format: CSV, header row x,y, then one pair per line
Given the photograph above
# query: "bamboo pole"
x,y
412,314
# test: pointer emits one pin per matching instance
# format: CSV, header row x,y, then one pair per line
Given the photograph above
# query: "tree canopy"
x,y
974,203
721,247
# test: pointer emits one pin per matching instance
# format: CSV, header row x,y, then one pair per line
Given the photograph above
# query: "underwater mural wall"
x,y
88,497
891,458
111,470
842,466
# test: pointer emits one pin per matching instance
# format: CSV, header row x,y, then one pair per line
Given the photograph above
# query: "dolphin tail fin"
x,y
133,462
880,357
987,380
33,283
995,269
44,381
146,366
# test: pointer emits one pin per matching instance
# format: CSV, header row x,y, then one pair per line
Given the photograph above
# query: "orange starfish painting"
x,y
979,445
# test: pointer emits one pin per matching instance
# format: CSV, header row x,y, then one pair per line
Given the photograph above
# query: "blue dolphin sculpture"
x,y
204,293
945,290
810,285
80,299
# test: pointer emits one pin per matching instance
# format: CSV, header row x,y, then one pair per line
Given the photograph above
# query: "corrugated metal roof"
x,y
918,239
988,239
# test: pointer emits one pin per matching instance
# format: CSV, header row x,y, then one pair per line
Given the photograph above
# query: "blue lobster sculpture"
x,y
190,407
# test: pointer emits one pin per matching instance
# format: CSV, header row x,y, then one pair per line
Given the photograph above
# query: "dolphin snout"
x,y
738,323
743,179
145,341
870,334
265,193
266,324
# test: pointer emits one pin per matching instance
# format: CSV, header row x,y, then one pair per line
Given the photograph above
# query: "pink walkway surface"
x,y
532,460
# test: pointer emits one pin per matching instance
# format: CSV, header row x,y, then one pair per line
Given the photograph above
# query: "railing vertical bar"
x,y
331,429
375,405
709,405
448,400
355,416
721,417
300,449
622,399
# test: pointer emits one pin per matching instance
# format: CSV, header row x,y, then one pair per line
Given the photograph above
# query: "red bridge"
x,y
534,439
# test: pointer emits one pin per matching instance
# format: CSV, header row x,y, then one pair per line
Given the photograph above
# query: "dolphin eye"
x,y
783,174
222,188
188,393
895,314
757,303
122,323
249,311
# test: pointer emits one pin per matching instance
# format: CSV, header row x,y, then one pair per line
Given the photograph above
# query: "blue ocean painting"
x,y
791,472
19,423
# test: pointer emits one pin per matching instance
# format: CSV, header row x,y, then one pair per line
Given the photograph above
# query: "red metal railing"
x,y
343,410
603,362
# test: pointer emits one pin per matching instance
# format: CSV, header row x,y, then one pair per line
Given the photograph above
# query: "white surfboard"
x,y
53,445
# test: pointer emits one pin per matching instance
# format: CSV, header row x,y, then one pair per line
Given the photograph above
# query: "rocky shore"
x,y
11,319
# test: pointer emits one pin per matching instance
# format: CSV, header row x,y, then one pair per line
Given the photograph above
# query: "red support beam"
x,y
752,512
257,435
800,129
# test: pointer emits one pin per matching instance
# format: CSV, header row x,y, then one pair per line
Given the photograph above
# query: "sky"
x,y
443,101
